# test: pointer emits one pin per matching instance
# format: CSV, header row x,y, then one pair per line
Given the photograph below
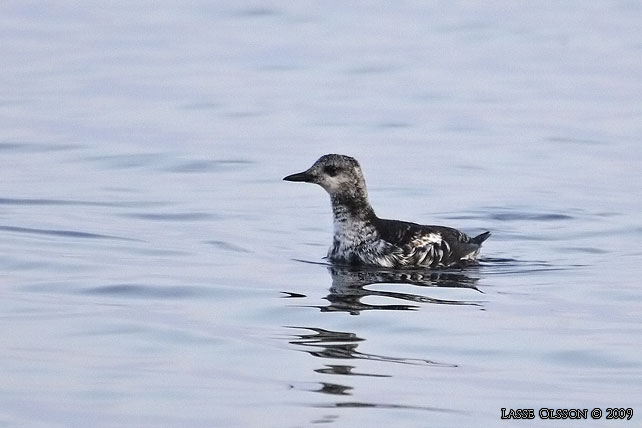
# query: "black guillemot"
x,y
362,238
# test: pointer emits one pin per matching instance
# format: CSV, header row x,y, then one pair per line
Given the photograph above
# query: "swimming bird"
x,y
362,238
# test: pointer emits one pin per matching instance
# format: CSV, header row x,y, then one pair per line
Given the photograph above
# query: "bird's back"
x,y
428,245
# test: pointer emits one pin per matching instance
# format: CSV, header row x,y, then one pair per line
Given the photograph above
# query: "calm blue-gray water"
x,y
156,271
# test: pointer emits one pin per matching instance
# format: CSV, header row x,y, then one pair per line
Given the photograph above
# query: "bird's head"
x,y
339,175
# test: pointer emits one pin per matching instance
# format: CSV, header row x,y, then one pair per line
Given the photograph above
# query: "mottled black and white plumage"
x,y
362,238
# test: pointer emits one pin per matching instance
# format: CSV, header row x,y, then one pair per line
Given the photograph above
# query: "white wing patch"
x,y
424,250
432,238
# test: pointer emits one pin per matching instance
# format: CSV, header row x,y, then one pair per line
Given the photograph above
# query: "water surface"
x,y
156,271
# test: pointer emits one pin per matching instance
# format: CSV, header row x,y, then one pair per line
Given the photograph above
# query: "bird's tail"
x,y
480,238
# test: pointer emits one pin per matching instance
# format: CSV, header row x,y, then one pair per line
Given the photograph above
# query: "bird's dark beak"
x,y
300,176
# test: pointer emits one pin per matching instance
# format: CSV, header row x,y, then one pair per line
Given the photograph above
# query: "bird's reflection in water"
x,y
349,287
339,345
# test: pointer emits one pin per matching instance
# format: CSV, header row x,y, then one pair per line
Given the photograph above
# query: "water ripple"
x,y
196,216
510,266
207,165
22,147
126,160
258,12
148,291
360,404
512,216
227,246
64,233
70,202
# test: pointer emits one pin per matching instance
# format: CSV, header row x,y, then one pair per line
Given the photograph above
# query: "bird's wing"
x,y
415,244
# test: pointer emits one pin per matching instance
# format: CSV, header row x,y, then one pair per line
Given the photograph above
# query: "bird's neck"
x,y
351,211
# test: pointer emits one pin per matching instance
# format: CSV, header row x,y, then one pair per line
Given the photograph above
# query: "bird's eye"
x,y
331,170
